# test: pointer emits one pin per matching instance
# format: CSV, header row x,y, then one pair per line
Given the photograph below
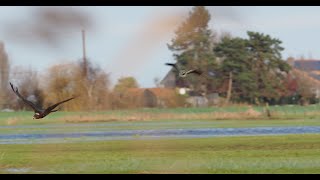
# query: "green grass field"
x,y
262,154
242,154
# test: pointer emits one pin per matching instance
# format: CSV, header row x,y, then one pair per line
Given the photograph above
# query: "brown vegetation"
x,y
149,116
149,97
306,85
66,80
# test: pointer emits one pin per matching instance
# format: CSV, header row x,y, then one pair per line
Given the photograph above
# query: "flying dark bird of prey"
x,y
184,73
39,112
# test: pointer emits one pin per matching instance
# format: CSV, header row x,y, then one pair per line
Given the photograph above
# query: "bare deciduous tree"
x,y
28,83
306,85
66,80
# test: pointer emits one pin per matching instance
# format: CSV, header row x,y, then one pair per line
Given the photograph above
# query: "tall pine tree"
x,y
235,59
267,64
192,47
257,67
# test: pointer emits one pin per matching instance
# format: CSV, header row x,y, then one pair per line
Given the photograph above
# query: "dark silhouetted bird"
x,y
39,112
184,73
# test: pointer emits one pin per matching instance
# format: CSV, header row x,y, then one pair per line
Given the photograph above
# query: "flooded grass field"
x,y
55,145
93,135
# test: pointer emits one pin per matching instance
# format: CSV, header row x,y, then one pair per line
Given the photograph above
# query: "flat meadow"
x,y
293,153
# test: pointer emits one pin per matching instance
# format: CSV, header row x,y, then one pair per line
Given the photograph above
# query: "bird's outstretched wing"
x,y
173,65
50,108
196,71
31,104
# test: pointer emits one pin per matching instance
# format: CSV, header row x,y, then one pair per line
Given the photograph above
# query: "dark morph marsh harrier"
x,y
184,73
39,112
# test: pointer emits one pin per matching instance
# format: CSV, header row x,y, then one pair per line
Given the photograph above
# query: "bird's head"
x,y
183,73
36,116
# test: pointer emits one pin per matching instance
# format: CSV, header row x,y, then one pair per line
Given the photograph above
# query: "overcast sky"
x,y
132,41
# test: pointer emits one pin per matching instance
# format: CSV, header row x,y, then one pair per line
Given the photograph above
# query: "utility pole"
x,y
84,54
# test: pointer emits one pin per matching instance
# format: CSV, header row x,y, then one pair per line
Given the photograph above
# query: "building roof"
x,y
307,65
169,81
310,66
